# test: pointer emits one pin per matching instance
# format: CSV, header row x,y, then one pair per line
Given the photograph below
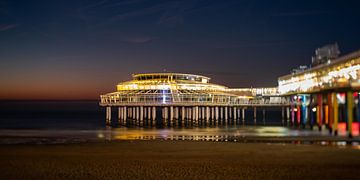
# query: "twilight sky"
x,y
80,49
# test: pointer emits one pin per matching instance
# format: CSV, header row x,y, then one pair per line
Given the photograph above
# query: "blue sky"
x,y
79,49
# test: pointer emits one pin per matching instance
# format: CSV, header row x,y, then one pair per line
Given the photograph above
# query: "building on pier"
x,y
325,54
326,95
184,99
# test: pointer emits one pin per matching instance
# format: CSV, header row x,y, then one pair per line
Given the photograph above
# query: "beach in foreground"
x,y
178,160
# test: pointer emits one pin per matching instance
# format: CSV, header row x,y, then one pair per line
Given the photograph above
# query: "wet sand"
x,y
178,160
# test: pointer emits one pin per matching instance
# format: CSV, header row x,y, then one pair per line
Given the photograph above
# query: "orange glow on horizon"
x,y
52,91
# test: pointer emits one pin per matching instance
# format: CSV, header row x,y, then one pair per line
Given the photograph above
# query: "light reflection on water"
x,y
231,133
214,133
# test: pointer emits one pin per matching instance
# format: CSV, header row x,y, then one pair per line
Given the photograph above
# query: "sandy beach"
x,y
178,160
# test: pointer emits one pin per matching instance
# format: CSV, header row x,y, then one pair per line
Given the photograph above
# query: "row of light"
x,y
199,87
256,91
134,86
311,80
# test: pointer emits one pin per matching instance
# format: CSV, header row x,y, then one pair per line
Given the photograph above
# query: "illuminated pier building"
x,y
325,95
184,99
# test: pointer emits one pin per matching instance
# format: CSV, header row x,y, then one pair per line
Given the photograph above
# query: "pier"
x,y
185,100
326,96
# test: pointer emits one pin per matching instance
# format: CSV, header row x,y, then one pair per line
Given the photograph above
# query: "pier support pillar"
x,y
144,115
192,116
230,115
298,115
149,116
243,116
119,114
326,115
128,113
350,113
192,122
212,115
234,115
186,115
319,111
226,115
254,115
189,119
183,116
141,115
176,116
153,116
197,115
166,112
288,115
108,116
306,110
217,115
263,113
292,115
200,109
238,114
330,112
203,115
207,115
134,115
171,116
137,116
221,115
124,115
282,115
336,113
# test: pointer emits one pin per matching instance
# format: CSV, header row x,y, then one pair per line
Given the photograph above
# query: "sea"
x,y
54,122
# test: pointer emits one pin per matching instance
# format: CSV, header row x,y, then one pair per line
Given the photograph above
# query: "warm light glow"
x,y
342,128
355,129
341,98
328,76
173,88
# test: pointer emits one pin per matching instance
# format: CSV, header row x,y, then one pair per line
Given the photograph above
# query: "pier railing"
x,y
189,100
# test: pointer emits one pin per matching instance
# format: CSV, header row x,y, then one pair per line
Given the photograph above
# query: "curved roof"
x,y
170,74
176,89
